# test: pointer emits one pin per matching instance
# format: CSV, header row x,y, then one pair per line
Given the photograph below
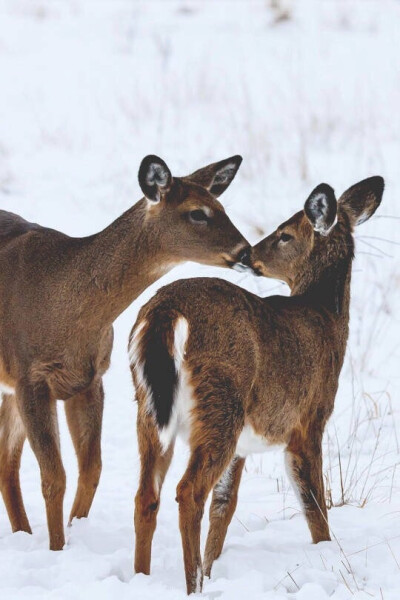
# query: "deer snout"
x,y
243,260
244,257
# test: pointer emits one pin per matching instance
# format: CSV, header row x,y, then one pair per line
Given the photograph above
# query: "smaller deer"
x,y
236,373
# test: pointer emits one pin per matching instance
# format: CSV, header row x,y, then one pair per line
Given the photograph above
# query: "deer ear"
x,y
217,176
362,199
155,178
321,209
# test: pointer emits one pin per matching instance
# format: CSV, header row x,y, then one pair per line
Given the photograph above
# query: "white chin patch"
x,y
240,268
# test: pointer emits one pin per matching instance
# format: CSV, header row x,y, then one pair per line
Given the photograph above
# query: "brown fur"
x,y
58,299
269,363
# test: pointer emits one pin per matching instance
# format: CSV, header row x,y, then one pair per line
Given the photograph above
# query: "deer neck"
x,y
118,263
331,290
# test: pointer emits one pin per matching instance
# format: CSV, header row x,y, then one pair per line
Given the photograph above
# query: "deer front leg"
x,y
304,467
153,468
223,506
39,415
12,437
84,414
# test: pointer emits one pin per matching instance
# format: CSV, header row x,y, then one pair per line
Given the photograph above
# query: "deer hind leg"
x,y
39,415
154,466
217,422
12,437
84,414
304,467
223,506
205,467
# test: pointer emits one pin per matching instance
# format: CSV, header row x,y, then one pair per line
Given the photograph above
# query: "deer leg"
x,y
304,466
154,466
206,465
84,414
39,415
12,437
222,508
217,420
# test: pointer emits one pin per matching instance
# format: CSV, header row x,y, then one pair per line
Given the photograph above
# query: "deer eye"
x,y
285,237
198,217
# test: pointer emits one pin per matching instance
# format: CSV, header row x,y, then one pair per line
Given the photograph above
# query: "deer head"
x,y
193,222
318,236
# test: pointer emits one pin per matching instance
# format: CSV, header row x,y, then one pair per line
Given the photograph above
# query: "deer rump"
x,y
172,386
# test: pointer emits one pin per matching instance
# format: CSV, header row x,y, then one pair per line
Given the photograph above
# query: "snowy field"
x,y
306,92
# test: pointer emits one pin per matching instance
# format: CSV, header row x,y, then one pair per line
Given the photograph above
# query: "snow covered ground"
x,y
306,91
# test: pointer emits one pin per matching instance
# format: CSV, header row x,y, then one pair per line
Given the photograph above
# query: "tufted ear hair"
x,y
155,178
321,209
217,176
362,199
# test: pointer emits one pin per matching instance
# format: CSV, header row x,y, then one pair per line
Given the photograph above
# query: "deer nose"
x,y
244,256
243,260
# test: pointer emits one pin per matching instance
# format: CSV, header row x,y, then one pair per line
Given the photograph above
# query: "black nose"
x,y
244,256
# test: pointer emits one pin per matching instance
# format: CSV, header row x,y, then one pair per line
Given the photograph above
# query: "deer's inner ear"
x,y
362,199
155,178
321,208
217,176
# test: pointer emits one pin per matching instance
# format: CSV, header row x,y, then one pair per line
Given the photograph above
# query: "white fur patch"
x,y
135,361
317,203
250,442
362,218
6,389
223,488
327,231
224,483
15,430
157,483
179,422
181,334
157,174
198,581
288,465
225,174
151,202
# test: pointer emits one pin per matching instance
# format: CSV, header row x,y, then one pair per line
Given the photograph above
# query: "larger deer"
x,y
235,374
58,299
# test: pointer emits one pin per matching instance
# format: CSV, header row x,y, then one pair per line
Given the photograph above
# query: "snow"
x,y
88,88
